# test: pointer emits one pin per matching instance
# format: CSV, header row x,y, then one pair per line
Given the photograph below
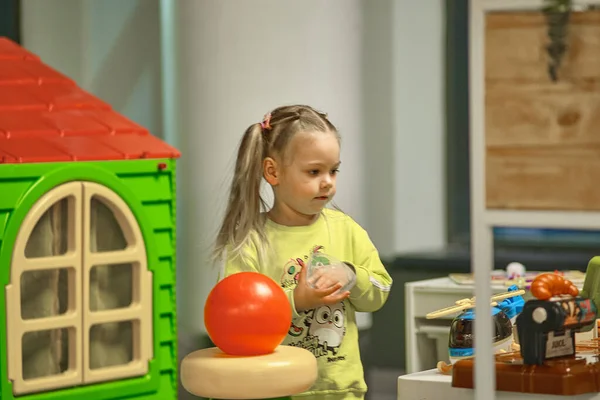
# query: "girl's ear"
x,y
270,171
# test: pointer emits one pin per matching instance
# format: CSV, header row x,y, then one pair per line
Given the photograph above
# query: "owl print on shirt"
x,y
321,330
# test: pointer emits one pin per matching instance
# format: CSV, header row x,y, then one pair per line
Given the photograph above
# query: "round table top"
x,y
214,374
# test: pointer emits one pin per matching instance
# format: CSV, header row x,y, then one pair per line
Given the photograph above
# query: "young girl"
x,y
297,151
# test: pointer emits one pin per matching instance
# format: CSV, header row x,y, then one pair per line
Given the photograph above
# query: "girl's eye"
x,y
314,172
335,171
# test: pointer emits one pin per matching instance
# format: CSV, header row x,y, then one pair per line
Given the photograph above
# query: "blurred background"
x,y
392,75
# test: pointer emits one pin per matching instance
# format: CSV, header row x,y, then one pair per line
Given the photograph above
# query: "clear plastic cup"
x,y
325,271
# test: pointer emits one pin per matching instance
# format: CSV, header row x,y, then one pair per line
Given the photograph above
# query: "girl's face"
x,y
306,179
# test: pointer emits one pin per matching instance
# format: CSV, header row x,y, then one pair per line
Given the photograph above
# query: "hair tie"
x,y
266,122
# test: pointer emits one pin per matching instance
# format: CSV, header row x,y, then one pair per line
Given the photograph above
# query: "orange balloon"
x,y
247,314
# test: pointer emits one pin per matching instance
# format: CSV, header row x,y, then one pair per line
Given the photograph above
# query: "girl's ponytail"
x,y
243,215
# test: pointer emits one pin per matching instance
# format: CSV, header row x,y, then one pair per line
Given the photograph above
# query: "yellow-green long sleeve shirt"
x,y
329,332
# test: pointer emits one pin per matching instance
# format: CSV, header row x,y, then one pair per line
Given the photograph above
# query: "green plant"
x,y
557,13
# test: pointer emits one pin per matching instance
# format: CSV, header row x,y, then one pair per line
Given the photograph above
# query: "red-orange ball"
x,y
247,314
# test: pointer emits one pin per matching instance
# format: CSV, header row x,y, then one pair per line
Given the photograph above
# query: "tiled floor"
x,y
383,383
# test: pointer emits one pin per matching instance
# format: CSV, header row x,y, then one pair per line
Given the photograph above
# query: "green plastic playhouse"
x,y
87,244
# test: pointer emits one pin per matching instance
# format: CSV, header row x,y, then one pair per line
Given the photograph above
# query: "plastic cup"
x,y
325,270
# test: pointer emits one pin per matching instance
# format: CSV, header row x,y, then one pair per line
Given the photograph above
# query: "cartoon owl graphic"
x,y
328,325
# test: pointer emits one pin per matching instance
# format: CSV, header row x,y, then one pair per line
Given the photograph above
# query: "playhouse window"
x,y
44,293
105,232
50,235
81,311
45,353
111,287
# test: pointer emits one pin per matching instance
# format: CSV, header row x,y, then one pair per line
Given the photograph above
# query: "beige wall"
x,y
198,72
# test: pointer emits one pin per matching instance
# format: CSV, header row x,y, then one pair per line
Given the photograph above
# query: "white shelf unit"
x,y
483,220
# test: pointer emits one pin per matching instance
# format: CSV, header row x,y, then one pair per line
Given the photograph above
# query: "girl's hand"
x,y
326,276
326,293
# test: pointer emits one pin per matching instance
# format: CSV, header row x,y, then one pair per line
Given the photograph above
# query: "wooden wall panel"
x,y
542,137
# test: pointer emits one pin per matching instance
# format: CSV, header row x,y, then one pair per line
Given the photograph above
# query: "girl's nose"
x,y
326,182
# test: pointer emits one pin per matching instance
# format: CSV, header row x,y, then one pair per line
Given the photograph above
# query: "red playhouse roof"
x,y
46,117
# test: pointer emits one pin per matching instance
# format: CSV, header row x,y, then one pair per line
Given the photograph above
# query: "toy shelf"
x,y
483,217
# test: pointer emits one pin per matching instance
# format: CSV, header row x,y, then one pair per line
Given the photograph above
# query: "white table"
x,y
427,340
431,385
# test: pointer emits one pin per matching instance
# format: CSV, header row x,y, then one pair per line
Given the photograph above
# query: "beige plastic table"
x,y
213,374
